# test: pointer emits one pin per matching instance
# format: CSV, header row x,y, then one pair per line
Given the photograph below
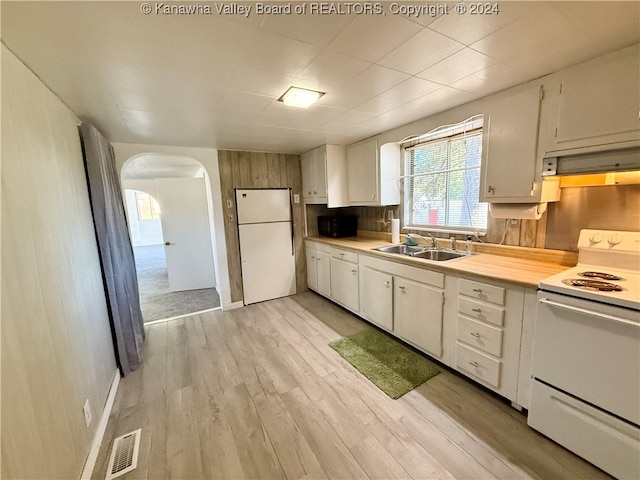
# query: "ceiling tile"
x,y
457,66
410,89
317,30
378,105
373,81
370,38
331,69
541,24
421,51
492,79
468,28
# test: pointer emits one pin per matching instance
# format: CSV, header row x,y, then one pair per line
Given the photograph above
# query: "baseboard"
x,y
162,320
90,463
232,306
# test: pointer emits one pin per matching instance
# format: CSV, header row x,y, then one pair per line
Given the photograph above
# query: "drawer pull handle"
x,y
342,254
401,287
474,364
475,334
477,310
354,271
478,290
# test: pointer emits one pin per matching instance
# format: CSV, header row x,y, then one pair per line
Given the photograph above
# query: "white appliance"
x,y
585,391
267,254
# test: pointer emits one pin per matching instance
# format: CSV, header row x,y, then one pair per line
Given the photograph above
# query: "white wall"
x,y
208,157
56,342
143,232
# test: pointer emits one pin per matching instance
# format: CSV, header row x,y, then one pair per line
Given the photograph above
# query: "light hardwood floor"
x,y
258,393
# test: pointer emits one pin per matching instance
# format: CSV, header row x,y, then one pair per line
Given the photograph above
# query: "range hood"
x,y
593,160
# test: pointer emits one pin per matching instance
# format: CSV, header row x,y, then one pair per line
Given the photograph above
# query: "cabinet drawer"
x,y
322,247
478,365
345,255
482,291
481,336
481,311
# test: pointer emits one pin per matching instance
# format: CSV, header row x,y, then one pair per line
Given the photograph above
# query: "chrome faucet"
x,y
453,243
431,237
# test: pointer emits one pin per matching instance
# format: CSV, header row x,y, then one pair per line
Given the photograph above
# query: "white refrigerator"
x,y
267,254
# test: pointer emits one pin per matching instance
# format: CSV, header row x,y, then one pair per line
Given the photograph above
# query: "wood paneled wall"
x,y
258,170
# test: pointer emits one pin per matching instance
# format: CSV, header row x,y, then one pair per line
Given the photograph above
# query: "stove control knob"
x,y
615,239
595,238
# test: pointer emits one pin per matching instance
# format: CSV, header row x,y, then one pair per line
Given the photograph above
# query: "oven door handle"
x,y
589,312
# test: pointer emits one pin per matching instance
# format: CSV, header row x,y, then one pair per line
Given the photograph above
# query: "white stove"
x,y
608,269
585,390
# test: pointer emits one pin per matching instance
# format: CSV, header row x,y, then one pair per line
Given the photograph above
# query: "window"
x,y
148,208
442,180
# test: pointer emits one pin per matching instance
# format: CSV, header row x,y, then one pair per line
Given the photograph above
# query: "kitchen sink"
x,y
425,253
437,255
400,249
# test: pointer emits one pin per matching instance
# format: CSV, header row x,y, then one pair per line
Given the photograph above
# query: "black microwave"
x,y
338,225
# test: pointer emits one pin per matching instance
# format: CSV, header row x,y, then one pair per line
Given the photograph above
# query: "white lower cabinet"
x,y
481,328
344,279
377,297
418,314
319,267
489,332
407,301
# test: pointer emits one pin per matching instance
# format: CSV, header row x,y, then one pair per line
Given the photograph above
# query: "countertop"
x,y
522,271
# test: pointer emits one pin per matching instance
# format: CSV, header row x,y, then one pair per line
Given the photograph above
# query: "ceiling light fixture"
x,y
300,97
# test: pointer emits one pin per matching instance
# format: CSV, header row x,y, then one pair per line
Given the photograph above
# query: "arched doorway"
x,y
171,235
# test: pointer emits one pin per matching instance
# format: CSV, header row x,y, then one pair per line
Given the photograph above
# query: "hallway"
x,y
156,300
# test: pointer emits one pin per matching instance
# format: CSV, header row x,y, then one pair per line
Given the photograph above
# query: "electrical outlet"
x,y
87,412
296,198
229,203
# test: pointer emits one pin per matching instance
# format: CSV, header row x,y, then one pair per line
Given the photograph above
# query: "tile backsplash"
x,y
614,207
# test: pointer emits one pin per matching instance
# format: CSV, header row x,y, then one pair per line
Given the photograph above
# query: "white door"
x,y
186,232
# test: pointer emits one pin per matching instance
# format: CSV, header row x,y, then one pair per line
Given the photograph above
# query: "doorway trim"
x,y
208,158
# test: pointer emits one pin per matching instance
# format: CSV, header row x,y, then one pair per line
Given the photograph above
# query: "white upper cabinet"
x,y
373,173
598,103
511,167
324,176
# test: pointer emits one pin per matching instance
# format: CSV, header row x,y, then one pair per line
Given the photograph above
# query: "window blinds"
x,y
442,179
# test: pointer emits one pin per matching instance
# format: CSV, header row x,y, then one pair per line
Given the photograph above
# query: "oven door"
x,y
589,350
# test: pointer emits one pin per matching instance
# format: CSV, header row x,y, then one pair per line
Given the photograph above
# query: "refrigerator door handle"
x,y
293,243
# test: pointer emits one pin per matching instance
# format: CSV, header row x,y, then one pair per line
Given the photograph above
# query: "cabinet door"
x,y
319,166
306,163
510,165
377,297
418,314
312,269
362,172
323,269
599,101
344,283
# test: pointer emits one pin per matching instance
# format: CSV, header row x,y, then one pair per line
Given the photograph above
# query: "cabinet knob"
x,y
373,196
167,243
387,283
314,192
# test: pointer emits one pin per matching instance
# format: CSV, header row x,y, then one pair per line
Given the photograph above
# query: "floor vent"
x,y
124,455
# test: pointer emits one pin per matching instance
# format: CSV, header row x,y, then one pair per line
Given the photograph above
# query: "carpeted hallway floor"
x,y
156,300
